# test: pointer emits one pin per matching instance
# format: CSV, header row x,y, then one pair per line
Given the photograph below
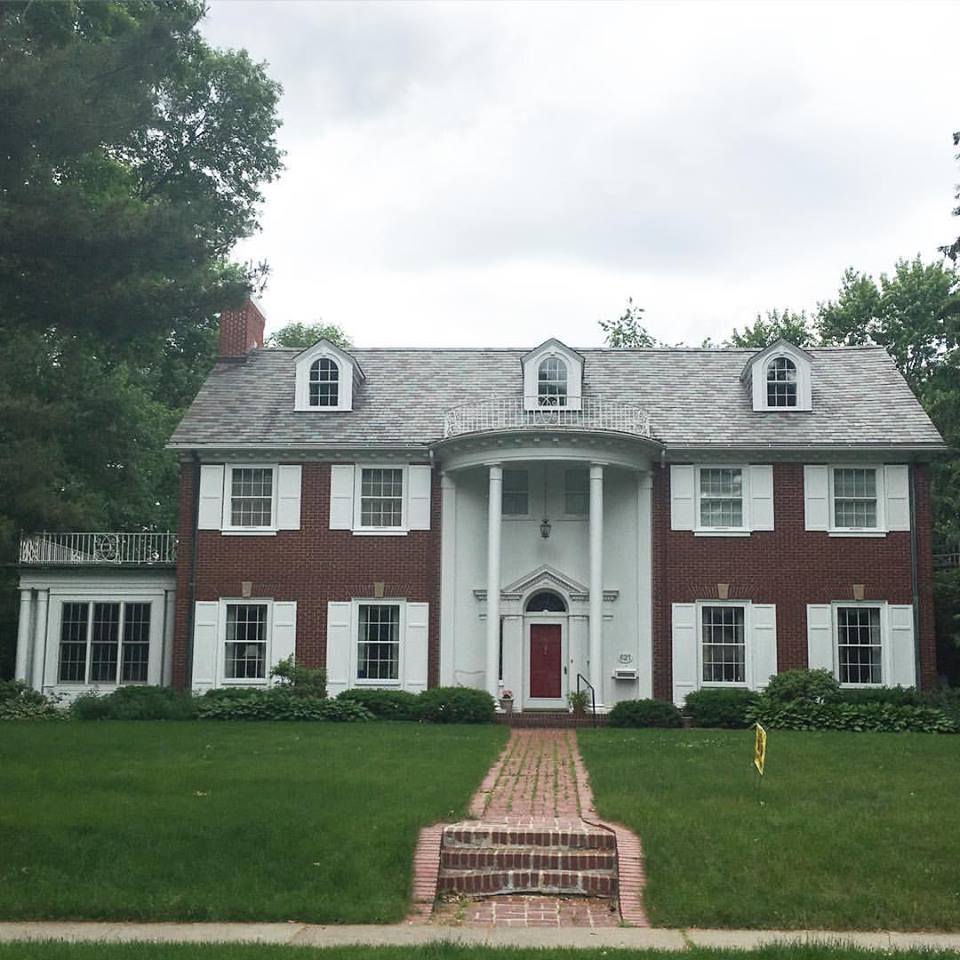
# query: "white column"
x,y
24,637
596,579
41,669
448,577
493,578
645,585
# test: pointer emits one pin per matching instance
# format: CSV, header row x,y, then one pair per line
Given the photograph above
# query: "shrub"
x,y
720,708
806,686
456,705
19,702
384,704
278,704
300,681
877,717
947,700
135,703
11,690
898,696
644,713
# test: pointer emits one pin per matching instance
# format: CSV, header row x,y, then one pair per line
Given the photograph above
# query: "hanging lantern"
x,y
545,528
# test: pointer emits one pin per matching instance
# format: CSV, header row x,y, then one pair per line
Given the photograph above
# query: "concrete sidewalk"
x,y
408,935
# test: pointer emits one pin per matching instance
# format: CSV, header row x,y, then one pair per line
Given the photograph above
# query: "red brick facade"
x,y
312,566
788,566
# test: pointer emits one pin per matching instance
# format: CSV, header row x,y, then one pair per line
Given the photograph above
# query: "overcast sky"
x,y
488,174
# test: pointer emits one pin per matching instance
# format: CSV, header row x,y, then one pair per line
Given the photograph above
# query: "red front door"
x,y
546,661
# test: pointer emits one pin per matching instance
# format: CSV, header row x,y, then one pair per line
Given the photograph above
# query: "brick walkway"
x,y
538,783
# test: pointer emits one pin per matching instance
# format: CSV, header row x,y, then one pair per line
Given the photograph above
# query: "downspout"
x,y
192,592
915,572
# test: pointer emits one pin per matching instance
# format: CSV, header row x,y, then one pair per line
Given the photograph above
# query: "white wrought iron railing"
x,y
510,413
78,549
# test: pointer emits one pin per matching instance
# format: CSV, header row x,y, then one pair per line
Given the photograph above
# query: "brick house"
x,y
650,521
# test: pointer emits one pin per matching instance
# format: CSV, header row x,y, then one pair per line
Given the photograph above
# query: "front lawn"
x,y
846,831
225,821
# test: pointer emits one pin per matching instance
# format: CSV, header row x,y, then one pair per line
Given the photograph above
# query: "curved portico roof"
x,y
694,398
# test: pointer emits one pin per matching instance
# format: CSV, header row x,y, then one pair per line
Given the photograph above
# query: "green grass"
x,y
225,821
846,831
437,951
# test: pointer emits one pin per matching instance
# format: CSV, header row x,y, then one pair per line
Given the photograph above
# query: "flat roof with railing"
x,y
110,549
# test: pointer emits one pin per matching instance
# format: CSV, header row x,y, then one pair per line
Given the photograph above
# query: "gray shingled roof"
x,y
695,399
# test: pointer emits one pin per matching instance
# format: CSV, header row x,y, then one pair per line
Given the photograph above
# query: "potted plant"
x,y
578,702
506,701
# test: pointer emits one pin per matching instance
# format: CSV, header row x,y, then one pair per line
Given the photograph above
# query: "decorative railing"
x,y
509,413
99,549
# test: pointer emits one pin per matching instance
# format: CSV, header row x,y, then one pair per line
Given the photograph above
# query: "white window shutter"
x,y
341,496
283,640
683,512
816,497
900,644
820,637
288,496
339,649
418,497
763,621
415,649
896,484
210,514
685,658
761,496
206,643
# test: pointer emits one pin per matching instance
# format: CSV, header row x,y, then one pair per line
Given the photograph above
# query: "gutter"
x,y
192,590
915,572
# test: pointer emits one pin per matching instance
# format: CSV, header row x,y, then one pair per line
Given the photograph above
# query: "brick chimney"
x,y
241,331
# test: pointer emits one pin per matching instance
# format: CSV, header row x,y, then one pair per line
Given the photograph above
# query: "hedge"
x,y
714,707
644,713
876,717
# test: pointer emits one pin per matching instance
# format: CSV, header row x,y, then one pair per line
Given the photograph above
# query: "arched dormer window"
x,y
324,383
552,383
781,382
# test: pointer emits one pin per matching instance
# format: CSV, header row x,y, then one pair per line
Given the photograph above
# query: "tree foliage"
x,y
627,330
305,335
133,156
952,250
779,324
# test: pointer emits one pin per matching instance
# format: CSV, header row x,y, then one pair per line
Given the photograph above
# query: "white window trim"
x,y
339,382
508,517
345,382
221,668
746,606
359,602
880,530
885,666
804,402
745,530
359,530
91,601
226,526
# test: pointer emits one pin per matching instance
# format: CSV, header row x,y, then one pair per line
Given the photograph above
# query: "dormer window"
x,y
552,383
324,383
780,378
326,378
552,377
781,382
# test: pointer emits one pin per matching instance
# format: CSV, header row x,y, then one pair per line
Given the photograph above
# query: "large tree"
x,y
779,324
627,330
305,335
132,156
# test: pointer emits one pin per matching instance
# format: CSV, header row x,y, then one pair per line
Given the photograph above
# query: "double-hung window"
x,y
552,383
576,493
721,498
378,643
723,644
516,493
245,649
250,498
324,383
855,498
781,382
381,498
106,642
859,645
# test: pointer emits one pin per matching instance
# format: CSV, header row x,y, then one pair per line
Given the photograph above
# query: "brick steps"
x,y
546,719
481,859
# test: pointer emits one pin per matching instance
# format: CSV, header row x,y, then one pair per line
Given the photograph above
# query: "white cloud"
x,y
499,173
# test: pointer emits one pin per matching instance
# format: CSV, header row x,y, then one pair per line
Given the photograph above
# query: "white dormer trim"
x,y
756,370
572,362
350,374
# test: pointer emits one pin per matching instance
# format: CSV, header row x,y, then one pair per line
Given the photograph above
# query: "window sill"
x,y
240,532
377,683
374,532
874,534
707,532
723,684
259,682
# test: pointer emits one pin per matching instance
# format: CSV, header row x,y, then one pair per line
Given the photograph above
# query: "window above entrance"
x,y
552,377
546,601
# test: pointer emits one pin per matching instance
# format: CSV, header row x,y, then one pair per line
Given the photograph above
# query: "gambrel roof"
x,y
695,399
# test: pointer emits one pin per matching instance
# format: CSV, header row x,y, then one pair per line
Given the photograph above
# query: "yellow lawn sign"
x,y
760,750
